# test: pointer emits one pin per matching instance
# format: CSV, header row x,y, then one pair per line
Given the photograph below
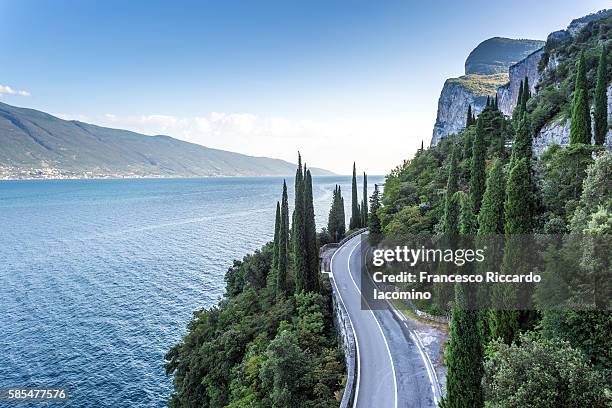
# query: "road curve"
x,y
393,370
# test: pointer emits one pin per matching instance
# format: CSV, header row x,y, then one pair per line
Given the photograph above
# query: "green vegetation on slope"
x,y
558,65
270,342
32,140
481,85
533,358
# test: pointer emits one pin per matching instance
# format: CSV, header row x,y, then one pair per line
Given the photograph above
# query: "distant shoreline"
x,y
158,177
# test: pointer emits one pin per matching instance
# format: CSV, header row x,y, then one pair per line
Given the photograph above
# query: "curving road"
x,y
393,369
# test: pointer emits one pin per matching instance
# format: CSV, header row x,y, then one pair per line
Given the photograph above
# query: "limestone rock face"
x,y
555,132
497,54
455,97
486,69
508,93
558,132
495,57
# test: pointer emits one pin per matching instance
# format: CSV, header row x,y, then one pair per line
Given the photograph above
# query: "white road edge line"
x,y
331,272
348,264
431,372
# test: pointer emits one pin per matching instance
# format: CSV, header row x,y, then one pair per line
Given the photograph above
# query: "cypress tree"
x,y
355,221
467,144
519,206
277,225
332,219
282,284
374,222
519,209
519,213
525,95
468,120
341,213
450,227
422,147
522,147
335,223
312,250
468,223
450,221
477,169
516,114
488,102
464,354
491,216
364,205
600,115
491,223
298,230
580,126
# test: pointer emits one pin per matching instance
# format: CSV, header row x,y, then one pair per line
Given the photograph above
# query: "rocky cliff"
x,y
486,69
528,67
561,53
557,131
495,55
455,97
508,93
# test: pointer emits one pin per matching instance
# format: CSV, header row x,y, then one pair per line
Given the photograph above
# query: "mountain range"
x,y
34,144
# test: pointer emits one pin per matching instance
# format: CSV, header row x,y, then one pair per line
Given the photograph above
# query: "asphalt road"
x,y
393,369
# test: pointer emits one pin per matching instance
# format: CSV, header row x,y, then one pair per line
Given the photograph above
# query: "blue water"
x,y
98,278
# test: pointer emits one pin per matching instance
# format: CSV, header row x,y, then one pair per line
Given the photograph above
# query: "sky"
x,y
340,81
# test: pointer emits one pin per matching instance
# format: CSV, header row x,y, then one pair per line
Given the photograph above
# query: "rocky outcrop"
x,y
486,69
455,97
558,132
497,54
508,93
579,23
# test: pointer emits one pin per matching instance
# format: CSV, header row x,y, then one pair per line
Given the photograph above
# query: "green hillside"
x,y
35,144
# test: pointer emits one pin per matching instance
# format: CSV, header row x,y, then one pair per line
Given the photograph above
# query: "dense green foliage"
x,y
556,86
310,239
580,127
477,168
336,221
566,190
276,242
364,202
542,374
519,206
298,232
464,352
355,221
374,224
282,278
600,113
470,118
491,215
270,342
450,222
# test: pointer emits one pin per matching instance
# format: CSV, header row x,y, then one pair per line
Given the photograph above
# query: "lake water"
x,y
98,278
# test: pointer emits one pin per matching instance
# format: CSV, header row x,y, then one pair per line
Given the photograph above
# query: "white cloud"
x,y
377,144
7,90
